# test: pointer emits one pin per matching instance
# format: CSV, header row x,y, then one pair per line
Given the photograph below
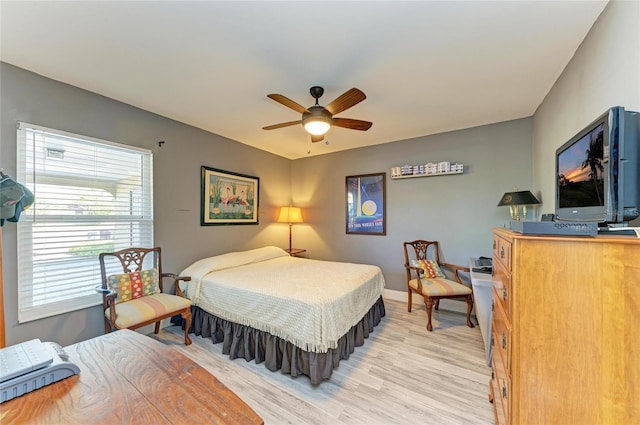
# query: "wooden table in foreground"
x,y
126,377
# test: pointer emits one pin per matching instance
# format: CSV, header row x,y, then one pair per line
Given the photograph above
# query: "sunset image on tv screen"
x,y
581,172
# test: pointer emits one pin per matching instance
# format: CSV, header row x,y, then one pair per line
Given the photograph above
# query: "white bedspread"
x,y
309,303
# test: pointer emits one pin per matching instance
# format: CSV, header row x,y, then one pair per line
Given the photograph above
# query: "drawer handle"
x,y
504,390
492,341
493,305
502,252
504,341
494,244
504,294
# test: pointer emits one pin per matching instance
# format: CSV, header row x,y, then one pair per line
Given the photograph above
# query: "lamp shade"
x,y
523,197
290,215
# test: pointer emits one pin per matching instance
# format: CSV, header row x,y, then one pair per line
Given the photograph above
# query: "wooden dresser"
x,y
565,329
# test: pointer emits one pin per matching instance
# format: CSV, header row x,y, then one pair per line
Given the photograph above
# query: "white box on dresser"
x,y
482,299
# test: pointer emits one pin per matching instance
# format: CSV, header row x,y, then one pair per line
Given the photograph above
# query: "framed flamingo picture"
x,y
228,198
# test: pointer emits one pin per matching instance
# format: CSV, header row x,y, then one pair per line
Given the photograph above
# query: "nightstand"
x,y
295,251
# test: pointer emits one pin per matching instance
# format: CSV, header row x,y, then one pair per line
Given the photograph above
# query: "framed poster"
x,y
228,198
366,204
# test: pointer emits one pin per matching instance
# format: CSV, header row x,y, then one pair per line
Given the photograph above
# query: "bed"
x,y
297,315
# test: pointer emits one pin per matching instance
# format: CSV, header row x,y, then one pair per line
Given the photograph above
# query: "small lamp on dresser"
x,y
515,200
290,215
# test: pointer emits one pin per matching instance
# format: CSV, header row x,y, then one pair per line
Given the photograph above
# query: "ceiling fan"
x,y
317,120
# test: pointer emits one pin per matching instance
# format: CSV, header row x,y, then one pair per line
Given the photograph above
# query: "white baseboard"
x,y
395,295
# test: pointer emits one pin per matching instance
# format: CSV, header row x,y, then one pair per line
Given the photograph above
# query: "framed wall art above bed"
x,y
228,198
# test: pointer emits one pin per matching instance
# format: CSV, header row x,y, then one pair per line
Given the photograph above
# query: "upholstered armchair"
x,y
132,294
425,277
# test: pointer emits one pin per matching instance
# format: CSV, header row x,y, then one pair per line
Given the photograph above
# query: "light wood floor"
x,y
401,375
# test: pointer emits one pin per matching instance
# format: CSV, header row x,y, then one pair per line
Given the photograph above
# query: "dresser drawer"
x,y
500,406
496,246
500,387
501,337
502,288
503,252
498,410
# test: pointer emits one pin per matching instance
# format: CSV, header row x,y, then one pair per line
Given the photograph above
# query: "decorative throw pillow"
x,y
130,286
430,267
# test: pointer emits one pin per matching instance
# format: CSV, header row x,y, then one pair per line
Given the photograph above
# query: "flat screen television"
x,y
598,171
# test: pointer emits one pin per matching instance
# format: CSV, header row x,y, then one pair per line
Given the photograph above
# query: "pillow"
x,y
130,286
232,259
430,267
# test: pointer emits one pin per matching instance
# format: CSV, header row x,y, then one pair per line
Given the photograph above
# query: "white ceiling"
x,y
426,66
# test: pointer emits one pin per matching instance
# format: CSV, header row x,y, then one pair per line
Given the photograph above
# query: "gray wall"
x,y
604,72
37,100
457,210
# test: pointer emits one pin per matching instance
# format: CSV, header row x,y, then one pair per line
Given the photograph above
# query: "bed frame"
x,y
245,342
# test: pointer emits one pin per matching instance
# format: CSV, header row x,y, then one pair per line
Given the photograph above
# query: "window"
x,y
91,196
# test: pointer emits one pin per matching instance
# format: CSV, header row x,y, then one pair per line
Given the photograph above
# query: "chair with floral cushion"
x,y
132,294
425,277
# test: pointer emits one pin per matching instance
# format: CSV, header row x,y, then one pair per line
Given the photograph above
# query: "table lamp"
x,y
290,215
517,199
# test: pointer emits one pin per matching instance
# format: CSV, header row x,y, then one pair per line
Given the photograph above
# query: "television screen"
x,y
581,171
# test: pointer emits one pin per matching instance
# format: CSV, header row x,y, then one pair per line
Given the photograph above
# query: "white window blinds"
x,y
91,196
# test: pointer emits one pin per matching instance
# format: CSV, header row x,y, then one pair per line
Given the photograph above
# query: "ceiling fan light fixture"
x,y
317,126
317,121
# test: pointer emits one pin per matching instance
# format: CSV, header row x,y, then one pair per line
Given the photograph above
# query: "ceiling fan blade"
x,y
282,124
345,101
288,103
315,139
352,124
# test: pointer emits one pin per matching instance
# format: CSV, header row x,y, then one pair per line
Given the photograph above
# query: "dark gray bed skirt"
x,y
245,342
